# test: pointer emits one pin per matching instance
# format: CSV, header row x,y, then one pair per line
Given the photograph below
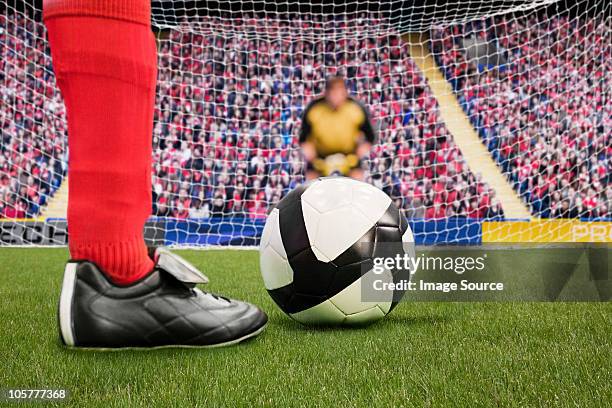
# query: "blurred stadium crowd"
x,y
32,126
545,114
230,96
229,108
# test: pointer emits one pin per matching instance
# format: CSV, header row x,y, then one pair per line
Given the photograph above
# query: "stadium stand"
x,y
225,139
542,108
229,107
32,126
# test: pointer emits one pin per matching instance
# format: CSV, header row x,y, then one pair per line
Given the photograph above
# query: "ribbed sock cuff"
x,y
136,11
123,262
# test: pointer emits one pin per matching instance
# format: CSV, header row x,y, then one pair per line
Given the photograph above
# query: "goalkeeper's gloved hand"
x,y
338,163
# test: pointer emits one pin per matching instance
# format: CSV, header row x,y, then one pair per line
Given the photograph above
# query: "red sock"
x,y
104,58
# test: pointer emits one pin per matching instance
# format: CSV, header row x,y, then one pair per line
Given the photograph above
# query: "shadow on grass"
x,y
387,323
125,355
277,324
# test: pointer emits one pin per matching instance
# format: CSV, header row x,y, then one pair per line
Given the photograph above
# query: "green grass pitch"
x,y
423,354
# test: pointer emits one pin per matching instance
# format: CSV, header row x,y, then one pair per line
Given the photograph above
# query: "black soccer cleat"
x,y
162,309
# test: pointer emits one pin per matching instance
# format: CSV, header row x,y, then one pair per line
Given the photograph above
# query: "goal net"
x,y
493,117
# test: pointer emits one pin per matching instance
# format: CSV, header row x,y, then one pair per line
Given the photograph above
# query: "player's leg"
x,y
104,58
312,175
356,173
311,172
116,294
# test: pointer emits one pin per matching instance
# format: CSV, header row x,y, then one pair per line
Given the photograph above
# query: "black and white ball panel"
x,y
331,202
274,266
319,240
342,307
312,278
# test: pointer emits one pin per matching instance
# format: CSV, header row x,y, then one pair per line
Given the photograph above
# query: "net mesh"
x,y
541,105
495,111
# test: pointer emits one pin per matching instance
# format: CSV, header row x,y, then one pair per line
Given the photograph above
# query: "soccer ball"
x,y
318,248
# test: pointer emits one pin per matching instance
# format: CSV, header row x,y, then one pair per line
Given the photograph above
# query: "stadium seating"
x,y
229,107
227,115
544,113
32,125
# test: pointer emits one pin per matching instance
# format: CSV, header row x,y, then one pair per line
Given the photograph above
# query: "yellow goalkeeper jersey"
x,y
335,130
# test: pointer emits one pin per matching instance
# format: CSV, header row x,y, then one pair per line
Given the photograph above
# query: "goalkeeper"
x,y
336,133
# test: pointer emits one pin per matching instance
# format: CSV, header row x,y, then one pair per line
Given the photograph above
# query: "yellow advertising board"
x,y
547,231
